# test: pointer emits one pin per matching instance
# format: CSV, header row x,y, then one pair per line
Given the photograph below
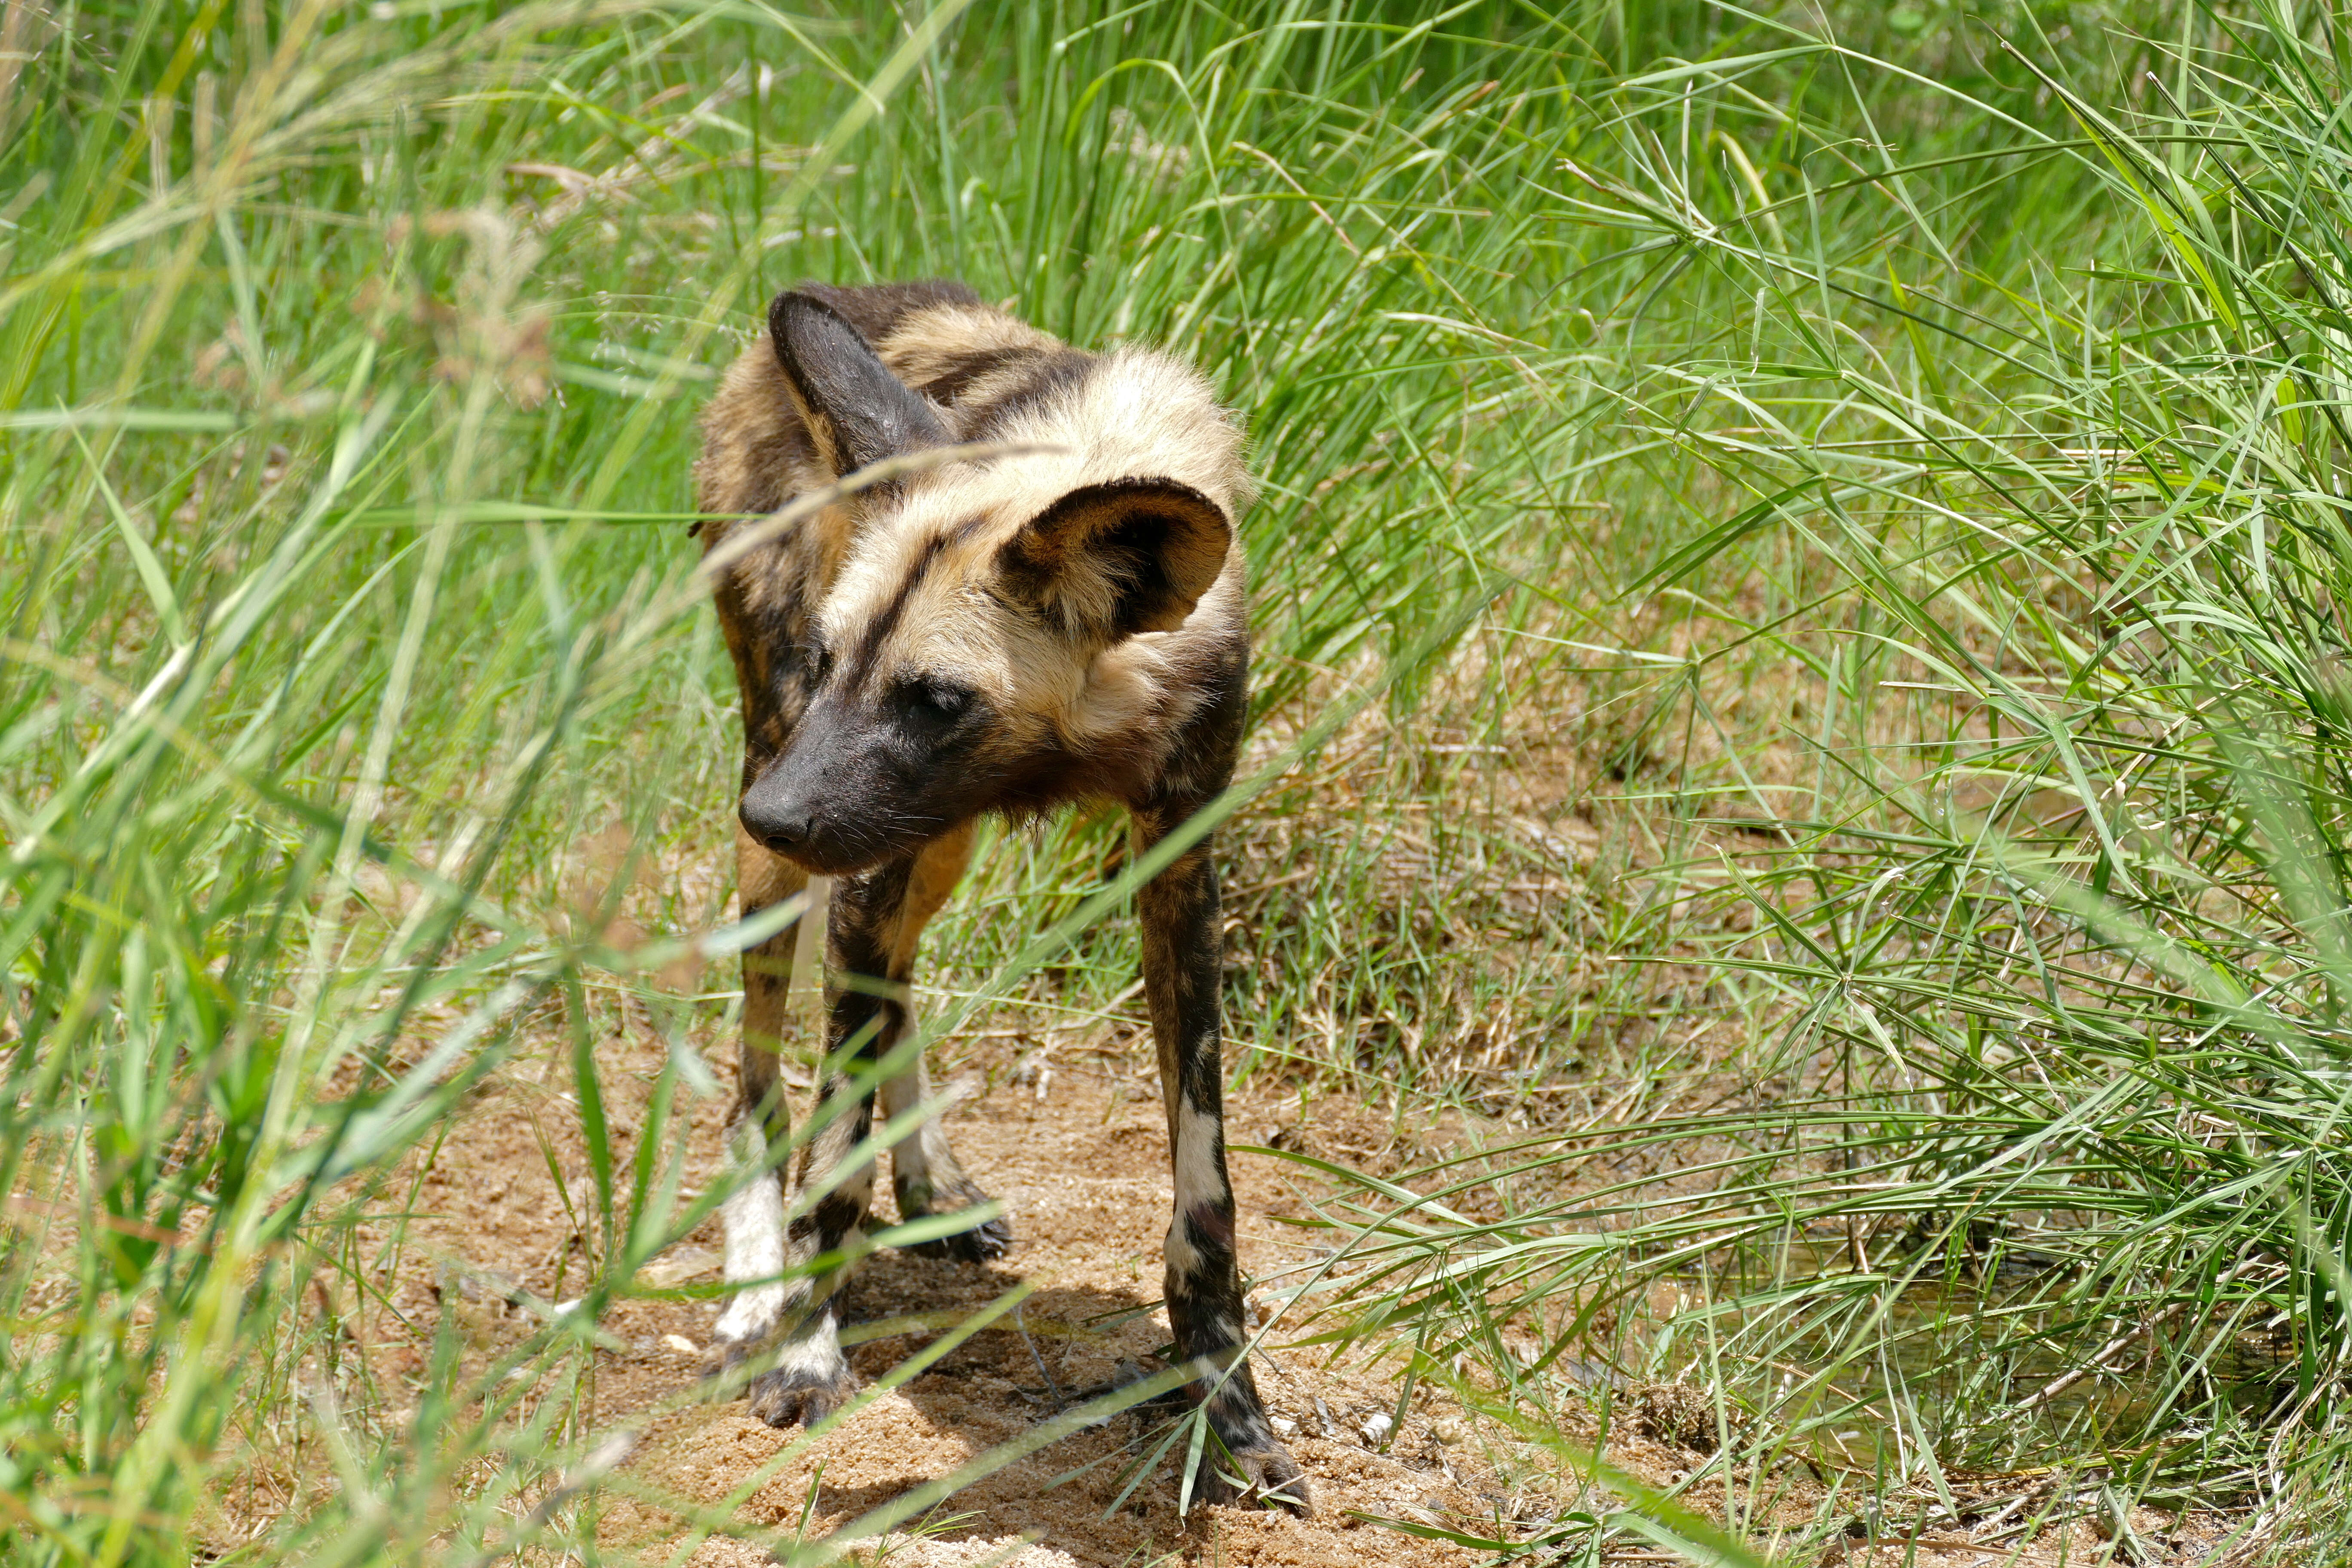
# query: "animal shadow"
x,y
1070,1345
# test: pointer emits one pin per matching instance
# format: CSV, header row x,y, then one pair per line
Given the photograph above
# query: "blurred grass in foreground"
x,y
354,682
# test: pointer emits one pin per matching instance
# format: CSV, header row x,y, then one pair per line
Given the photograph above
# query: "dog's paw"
x,y
1264,1476
801,1396
990,1238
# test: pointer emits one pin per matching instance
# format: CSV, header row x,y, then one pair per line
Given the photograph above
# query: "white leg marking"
x,y
753,1218
1197,1181
1182,1258
813,1354
925,1156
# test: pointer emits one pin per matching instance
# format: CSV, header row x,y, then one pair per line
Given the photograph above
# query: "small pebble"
x,y
1284,1427
1377,1428
681,1344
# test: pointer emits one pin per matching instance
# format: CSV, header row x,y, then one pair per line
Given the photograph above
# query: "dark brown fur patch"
x,y
1045,376
949,385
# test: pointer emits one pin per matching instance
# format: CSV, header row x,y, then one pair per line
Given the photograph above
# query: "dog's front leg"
x,y
864,1010
1182,972
761,1127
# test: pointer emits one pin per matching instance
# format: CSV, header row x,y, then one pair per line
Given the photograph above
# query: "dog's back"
x,y
991,376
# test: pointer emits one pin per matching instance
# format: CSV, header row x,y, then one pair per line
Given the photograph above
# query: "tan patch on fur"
x,y
937,872
762,878
929,343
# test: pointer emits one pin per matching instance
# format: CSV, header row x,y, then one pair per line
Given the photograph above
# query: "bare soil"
x,y
1074,1146
1078,1154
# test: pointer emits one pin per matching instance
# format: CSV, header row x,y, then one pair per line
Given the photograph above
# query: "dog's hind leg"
x,y
1184,968
760,1126
924,1173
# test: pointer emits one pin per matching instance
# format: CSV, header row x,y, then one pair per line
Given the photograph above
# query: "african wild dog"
x,y
1063,620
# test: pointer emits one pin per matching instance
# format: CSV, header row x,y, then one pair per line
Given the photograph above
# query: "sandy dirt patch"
x,y
1079,1156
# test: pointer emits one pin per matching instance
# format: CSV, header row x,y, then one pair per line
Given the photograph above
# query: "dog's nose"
x,y
781,828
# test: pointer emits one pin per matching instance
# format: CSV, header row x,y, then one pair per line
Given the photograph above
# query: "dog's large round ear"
x,y
857,412
1114,558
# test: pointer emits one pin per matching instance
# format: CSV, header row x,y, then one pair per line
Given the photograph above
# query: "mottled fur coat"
x,y
1060,618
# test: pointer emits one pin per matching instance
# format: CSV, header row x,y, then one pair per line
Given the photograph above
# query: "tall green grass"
x,y
1638,390
2030,451
350,362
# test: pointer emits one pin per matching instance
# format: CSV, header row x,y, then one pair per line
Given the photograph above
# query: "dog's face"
x,y
955,663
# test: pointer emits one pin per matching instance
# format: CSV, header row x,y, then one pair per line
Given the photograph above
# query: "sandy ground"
x,y
1074,1147
1078,1154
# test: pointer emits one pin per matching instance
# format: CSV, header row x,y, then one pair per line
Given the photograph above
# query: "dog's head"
x,y
957,661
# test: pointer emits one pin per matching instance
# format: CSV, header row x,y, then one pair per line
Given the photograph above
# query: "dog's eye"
x,y
935,699
817,659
